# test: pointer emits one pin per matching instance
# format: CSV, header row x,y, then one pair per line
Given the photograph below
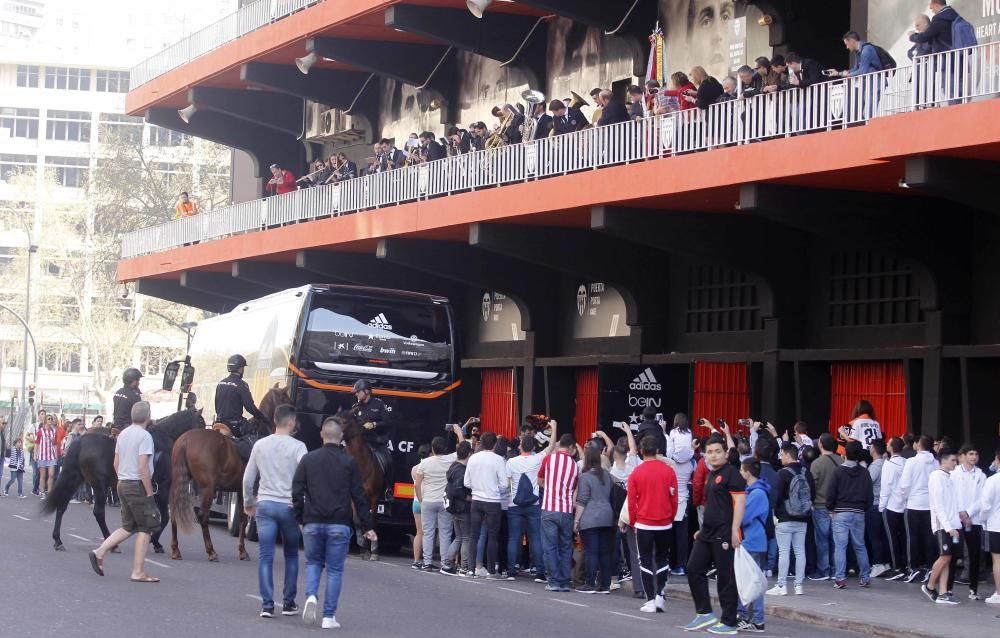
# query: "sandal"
x,y
96,563
145,579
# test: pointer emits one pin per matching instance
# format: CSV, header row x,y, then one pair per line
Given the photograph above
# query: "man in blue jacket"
x,y
866,57
938,33
755,516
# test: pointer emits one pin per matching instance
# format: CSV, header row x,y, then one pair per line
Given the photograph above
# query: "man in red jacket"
x,y
652,504
282,181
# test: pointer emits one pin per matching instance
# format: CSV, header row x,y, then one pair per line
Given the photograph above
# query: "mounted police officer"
x,y
232,397
374,418
125,397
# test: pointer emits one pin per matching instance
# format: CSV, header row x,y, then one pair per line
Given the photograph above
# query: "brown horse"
x,y
212,461
372,476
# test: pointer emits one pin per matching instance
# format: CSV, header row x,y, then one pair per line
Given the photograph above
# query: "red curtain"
x,y
881,383
498,409
720,392
585,417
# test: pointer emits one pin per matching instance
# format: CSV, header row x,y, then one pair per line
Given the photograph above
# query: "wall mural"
x,y
891,21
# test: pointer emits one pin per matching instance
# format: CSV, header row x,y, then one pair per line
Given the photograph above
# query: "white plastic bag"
x,y
750,580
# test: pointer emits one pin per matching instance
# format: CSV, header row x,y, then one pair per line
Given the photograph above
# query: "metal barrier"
x,y
935,80
246,19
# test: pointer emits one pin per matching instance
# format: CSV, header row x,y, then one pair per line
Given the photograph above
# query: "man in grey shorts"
x,y
133,461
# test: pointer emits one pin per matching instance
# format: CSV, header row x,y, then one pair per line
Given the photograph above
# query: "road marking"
x,y
378,562
80,537
255,597
470,581
158,564
20,517
516,591
566,602
618,613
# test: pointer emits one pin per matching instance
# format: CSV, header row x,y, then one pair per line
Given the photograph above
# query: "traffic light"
x,y
31,394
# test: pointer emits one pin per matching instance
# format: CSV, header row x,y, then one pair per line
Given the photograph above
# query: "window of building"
x,y
11,165
721,300
19,122
11,353
27,76
159,136
112,81
122,127
71,172
867,289
72,126
64,358
152,360
171,171
67,78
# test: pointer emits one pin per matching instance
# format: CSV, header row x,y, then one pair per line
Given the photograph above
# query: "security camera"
x,y
123,292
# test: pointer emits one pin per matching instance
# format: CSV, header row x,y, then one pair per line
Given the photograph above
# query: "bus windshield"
x,y
388,338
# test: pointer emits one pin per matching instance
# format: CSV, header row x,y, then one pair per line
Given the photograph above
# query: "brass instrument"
x,y
498,137
577,101
530,123
413,158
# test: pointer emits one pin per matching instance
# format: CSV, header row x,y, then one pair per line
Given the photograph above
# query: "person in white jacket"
x,y
893,509
941,495
969,481
989,510
681,452
912,490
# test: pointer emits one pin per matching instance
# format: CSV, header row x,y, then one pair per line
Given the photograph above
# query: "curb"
x,y
823,620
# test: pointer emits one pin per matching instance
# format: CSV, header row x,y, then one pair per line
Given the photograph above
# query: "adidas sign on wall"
x,y
624,391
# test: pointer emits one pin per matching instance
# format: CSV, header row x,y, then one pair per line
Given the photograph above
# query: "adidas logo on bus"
x,y
379,321
645,381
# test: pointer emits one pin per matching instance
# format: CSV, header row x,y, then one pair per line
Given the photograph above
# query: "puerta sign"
x,y
598,310
500,318
625,390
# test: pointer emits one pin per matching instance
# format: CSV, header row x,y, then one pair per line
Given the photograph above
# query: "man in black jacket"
x,y
848,498
326,484
651,427
458,505
614,112
803,72
430,150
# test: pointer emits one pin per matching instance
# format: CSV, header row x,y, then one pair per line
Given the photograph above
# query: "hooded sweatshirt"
x,y
943,503
850,489
888,498
912,486
758,508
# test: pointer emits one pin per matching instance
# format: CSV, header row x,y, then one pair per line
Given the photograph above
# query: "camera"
x,y
449,427
745,423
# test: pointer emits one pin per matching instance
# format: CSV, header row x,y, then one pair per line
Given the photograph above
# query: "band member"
x,y
613,111
513,130
282,181
477,136
430,150
637,105
543,121
343,169
375,161
459,141
232,397
566,120
320,173
392,157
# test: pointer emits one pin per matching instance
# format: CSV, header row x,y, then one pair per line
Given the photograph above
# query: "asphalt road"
x,y
49,593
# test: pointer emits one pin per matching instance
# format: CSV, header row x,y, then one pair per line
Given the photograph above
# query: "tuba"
x,y
530,124
498,137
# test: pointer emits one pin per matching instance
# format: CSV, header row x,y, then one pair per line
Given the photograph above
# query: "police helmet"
x,y
236,362
131,375
362,385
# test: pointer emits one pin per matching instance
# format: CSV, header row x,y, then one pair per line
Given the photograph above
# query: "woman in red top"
x,y
45,454
282,181
681,85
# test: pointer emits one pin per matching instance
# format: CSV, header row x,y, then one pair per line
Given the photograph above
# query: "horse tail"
x,y
181,501
69,480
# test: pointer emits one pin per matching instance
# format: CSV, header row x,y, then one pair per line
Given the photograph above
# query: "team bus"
x,y
317,340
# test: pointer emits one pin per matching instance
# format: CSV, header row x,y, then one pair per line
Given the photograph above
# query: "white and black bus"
x,y
317,340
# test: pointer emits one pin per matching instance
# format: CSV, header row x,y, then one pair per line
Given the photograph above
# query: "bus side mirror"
x,y
187,378
170,375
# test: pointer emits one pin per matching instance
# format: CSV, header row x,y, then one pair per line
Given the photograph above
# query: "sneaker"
x,y
428,567
878,570
21,496
659,603
819,577
585,589
865,583
701,621
769,574
551,588
606,591
309,610
839,584
75,501
974,596
417,565
565,589
330,623
267,612
639,594
449,571
723,630
510,575
711,573
777,590
481,572
611,588
927,576
678,572
625,576
913,575
495,576
289,609
897,574
540,578
994,599
946,599
3,494
798,590
649,607
930,593
751,627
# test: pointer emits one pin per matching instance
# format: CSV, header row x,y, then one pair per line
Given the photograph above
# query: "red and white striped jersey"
x,y
560,475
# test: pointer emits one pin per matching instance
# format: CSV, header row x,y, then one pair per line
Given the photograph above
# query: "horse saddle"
x,y
244,445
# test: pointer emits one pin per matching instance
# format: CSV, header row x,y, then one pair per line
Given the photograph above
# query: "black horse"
x,y
91,458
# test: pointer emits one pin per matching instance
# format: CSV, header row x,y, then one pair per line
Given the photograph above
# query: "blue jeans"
x,y
272,517
821,521
525,519
758,603
850,525
326,546
17,475
791,537
557,546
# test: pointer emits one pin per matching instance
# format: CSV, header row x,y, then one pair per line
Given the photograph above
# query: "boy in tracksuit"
x,y
945,524
847,499
969,481
989,508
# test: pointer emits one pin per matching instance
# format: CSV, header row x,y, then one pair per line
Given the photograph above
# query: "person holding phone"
x,y
650,426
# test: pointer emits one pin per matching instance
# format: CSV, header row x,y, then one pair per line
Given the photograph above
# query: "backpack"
x,y
963,35
525,493
885,61
619,495
799,501
455,491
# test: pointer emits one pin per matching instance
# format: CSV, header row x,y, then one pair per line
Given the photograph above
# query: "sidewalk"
x,y
887,610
